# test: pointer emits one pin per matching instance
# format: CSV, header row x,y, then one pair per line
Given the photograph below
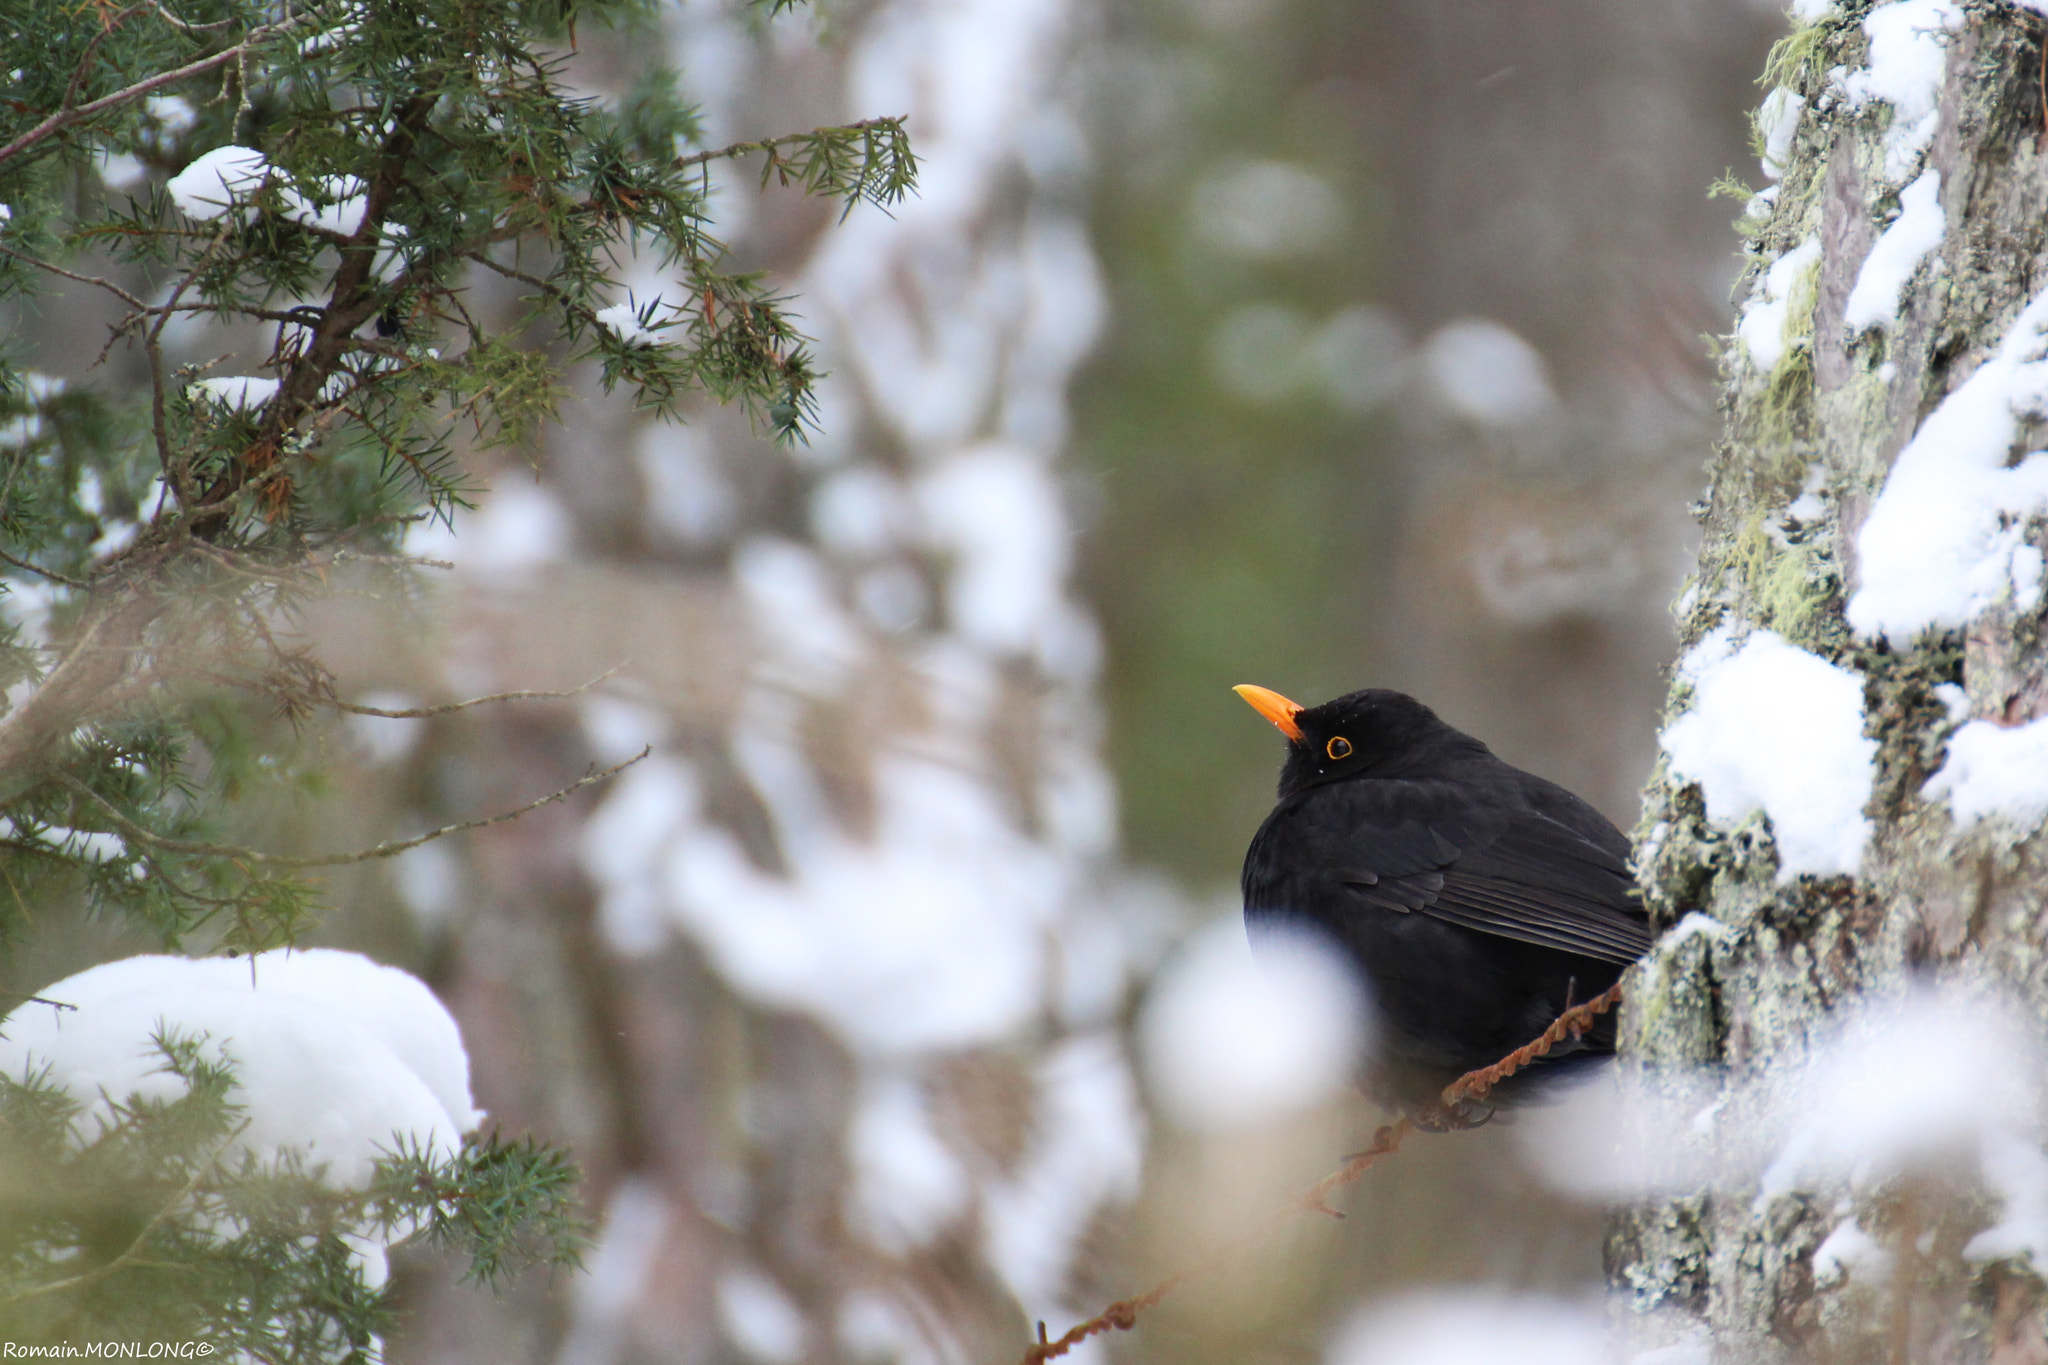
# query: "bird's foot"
x,y
1438,1117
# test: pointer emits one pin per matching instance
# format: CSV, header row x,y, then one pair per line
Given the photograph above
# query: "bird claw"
x,y
1438,1117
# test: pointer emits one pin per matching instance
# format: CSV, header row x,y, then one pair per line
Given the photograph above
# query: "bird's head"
x,y
1376,732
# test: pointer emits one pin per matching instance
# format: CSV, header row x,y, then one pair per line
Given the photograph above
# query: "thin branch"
x,y
129,829
553,291
50,574
1573,1023
1122,1315
107,285
39,1000
422,712
185,26
64,118
85,60
775,144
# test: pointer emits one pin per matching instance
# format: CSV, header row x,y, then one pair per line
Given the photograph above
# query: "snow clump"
x,y
238,391
1776,124
1995,770
1767,316
1776,729
1946,536
1922,1081
337,1060
1908,58
1910,239
217,181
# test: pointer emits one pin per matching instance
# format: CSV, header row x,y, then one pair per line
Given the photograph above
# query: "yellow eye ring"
x,y
1339,747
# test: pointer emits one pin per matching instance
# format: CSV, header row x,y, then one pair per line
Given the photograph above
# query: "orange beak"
x,y
1273,707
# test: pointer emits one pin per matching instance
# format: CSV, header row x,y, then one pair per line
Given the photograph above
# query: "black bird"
x,y
1477,901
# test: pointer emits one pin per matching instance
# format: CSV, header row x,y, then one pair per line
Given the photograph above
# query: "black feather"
x,y
1477,901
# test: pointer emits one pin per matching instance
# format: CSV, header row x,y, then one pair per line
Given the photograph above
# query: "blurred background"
x,y
898,1002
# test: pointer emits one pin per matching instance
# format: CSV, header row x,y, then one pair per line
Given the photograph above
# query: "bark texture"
x,y
1718,1266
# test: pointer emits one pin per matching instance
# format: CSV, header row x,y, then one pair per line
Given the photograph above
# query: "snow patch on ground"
x,y
1774,728
1767,316
1944,539
1911,238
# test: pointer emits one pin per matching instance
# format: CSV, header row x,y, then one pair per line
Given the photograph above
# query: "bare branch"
x,y
39,570
422,712
130,830
1122,1315
38,1000
107,285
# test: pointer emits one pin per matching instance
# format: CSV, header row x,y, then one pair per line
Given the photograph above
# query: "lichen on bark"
x,y
1716,1265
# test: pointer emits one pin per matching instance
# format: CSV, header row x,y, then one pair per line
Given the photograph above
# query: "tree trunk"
x,y
1862,509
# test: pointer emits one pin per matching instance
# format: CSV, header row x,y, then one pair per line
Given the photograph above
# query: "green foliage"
x,y
156,1227
160,539
156,539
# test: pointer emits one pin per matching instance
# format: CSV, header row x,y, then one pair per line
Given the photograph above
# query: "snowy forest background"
x,y
898,1002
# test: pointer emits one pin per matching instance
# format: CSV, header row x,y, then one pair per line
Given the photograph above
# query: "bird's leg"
x,y
1434,1116
1571,998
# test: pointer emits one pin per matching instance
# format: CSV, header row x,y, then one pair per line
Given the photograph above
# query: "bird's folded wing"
x,y
1528,879
1540,916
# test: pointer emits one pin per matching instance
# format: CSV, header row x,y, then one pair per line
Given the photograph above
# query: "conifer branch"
x,y
65,117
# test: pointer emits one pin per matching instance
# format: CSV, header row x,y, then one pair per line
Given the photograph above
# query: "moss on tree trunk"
x,y
1716,1265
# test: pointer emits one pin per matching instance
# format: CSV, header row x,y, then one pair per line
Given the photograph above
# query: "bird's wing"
x,y
1514,873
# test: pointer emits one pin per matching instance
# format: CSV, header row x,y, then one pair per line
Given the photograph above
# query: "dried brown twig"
x,y
1122,1315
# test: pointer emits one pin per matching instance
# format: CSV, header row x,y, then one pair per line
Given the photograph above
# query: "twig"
x,y
38,1000
774,144
184,26
64,118
38,569
1122,1315
422,712
1573,1022
108,285
129,829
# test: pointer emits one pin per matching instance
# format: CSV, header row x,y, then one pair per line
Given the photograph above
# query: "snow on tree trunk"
x,y
1855,758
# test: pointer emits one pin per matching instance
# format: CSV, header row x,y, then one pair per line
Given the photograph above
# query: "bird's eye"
x,y
1339,747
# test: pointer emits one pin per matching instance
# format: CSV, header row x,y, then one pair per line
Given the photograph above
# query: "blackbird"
x,y
1478,902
